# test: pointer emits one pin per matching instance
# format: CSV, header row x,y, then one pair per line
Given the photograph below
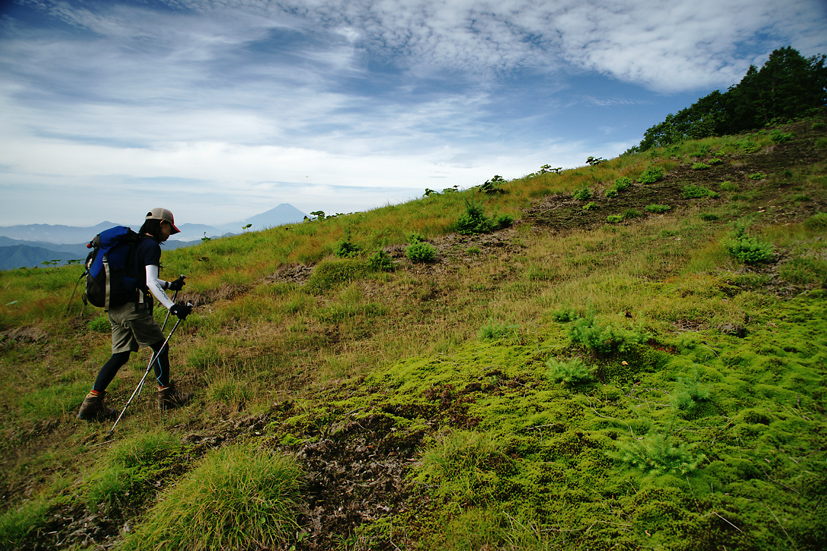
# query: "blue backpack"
x,y
108,280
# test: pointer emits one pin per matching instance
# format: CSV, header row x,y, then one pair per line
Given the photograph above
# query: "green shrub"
x,y
657,209
692,191
420,252
414,237
570,372
590,205
778,136
700,166
651,175
495,331
610,193
614,218
716,161
654,454
491,186
757,176
346,249
475,222
748,249
632,213
602,340
564,316
818,125
582,194
691,394
380,262
238,497
503,221
622,183
728,186
709,216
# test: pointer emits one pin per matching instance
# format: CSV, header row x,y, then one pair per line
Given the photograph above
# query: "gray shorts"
x,y
133,327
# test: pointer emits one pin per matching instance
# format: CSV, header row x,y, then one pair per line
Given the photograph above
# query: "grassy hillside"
x,y
636,362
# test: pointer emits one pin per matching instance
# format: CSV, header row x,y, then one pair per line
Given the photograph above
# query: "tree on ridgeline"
x,y
788,86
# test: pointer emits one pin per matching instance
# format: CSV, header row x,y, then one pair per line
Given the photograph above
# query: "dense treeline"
x,y
786,87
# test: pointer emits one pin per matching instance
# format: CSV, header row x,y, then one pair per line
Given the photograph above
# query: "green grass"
x,y
657,383
236,498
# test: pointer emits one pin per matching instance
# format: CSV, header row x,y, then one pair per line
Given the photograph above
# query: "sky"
x,y
222,109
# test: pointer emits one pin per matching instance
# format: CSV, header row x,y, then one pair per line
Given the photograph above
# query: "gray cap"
x,y
163,214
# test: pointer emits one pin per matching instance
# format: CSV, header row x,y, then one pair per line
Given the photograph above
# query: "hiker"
x,y
133,325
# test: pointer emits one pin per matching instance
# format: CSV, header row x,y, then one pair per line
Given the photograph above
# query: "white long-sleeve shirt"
x,y
156,286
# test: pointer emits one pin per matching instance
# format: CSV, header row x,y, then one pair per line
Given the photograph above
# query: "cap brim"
x,y
174,229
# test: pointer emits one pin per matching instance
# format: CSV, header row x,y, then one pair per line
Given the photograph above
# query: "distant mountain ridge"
x,y
60,234
33,244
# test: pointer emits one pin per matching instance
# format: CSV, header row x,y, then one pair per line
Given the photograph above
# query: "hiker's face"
x,y
166,230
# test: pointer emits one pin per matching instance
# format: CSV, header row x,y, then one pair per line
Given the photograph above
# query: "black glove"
x,y
177,285
181,310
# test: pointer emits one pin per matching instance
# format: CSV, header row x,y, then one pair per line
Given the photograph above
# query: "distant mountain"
x,y
33,244
54,234
48,235
25,256
197,231
282,214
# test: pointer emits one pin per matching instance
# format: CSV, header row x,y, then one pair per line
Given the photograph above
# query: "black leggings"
x,y
117,361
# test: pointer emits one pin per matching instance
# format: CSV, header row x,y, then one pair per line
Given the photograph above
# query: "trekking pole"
x,y
174,296
68,304
148,368
141,384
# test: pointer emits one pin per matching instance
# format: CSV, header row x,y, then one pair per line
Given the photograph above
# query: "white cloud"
x,y
260,97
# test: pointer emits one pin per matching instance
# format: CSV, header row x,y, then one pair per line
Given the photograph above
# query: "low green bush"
x,y
421,252
380,262
601,339
657,209
582,194
692,191
700,166
651,175
495,331
571,372
474,221
622,183
778,136
614,218
748,249
656,455
346,249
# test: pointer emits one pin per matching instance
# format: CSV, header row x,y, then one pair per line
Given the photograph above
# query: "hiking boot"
x,y
94,408
170,398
